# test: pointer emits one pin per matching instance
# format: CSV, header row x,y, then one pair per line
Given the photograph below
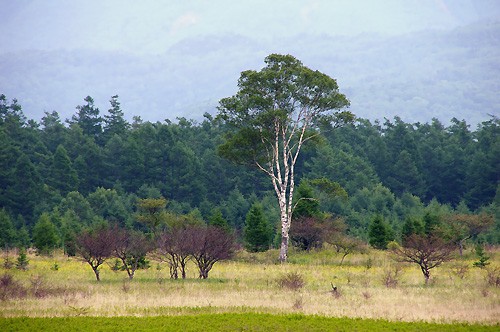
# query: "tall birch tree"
x,y
274,112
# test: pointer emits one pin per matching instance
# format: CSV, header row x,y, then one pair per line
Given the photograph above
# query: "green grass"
x,y
226,322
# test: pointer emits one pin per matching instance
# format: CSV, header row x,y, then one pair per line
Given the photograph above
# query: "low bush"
x,y
291,281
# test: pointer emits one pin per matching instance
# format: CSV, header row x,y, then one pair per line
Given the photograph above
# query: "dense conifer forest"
x,y
96,166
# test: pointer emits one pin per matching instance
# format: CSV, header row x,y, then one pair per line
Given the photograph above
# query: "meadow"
x,y
370,286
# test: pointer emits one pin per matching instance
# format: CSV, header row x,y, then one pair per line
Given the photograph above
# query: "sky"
x,y
153,26
152,29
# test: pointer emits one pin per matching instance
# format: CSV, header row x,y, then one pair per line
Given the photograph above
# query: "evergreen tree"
x,y
7,231
26,188
114,122
22,260
45,234
54,132
217,219
410,227
306,205
431,224
64,177
257,234
88,118
379,233
23,237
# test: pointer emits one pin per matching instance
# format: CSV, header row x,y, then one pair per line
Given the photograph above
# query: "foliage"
x,y
78,175
151,213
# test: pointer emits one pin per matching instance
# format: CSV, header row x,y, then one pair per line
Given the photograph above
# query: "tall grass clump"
x,y
291,281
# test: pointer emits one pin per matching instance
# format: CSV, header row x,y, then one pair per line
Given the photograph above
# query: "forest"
x,y
97,167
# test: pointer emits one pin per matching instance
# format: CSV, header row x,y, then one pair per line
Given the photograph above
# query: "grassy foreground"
x,y
226,322
374,292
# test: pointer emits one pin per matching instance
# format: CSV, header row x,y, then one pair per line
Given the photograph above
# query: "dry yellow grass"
x,y
243,286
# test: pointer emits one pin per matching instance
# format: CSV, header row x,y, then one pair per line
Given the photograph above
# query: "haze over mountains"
x,y
415,59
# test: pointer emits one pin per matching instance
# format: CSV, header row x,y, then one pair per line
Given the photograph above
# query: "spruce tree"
x,y
45,235
64,177
217,219
257,235
7,231
379,233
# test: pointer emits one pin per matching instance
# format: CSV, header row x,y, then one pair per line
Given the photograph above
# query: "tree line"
x,y
97,166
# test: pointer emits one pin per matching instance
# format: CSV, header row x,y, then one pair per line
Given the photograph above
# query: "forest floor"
x,y
370,286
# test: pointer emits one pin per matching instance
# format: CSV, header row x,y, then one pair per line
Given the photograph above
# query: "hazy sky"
x,y
153,26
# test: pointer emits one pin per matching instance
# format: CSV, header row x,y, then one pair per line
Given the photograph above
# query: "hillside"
x,y
418,75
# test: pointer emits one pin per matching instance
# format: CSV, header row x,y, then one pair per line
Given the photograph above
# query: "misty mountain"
x,y
417,75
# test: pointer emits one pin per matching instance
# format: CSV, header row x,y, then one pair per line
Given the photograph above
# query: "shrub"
x,y
8,263
291,280
461,270
10,288
391,276
493,276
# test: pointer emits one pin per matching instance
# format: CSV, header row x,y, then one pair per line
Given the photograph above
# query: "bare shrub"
x,y
493,276
460,270
291,280
38,288
175,248
131,248
95,246
8,263
428,252
391,276
208,245
367,295
126,286
298,304
346,245
11,288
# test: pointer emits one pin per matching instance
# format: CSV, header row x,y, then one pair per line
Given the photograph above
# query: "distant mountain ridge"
x,y
417,76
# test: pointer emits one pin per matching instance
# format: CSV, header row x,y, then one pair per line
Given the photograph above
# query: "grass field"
x,y
227,322
458,294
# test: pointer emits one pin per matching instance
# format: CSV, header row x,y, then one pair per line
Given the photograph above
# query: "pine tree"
x,y
257,234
